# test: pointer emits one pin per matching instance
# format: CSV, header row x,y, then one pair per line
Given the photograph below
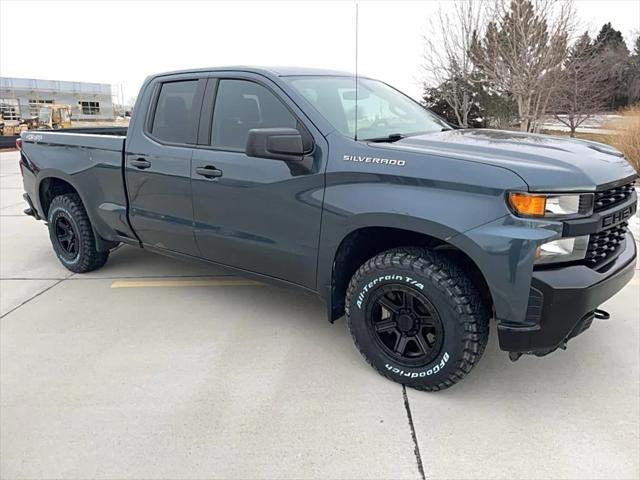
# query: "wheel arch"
x,y
363,243
52,185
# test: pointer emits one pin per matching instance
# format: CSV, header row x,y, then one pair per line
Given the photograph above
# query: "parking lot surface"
x,y
153,368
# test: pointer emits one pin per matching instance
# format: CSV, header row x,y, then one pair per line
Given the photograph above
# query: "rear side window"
x,y
242,105
176,115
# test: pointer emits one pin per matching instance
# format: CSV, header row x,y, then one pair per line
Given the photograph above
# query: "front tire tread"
x,y
451,280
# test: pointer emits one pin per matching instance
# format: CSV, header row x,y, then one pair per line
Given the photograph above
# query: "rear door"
x,y
158,164
257,214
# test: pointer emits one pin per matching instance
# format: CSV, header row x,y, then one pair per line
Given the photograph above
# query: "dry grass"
x,y
594,137
627,134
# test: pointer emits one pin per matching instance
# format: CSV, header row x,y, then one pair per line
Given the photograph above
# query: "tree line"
x,y
512,63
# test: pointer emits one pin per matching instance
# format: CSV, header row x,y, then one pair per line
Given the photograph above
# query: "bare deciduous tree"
x,y
447,58
522,52
583,89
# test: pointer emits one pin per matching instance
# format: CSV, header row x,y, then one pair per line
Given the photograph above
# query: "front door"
x,y
257,214
158,167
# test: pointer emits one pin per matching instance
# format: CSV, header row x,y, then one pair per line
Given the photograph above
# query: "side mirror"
x,y
277,144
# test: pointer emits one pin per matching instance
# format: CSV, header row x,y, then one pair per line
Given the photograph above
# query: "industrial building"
x,y
23,97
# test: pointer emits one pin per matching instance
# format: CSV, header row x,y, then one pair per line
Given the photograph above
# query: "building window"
x,y
34,106
90,108
10,109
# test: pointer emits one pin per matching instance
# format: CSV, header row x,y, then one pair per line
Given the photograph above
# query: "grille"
x,y
605,246
612,197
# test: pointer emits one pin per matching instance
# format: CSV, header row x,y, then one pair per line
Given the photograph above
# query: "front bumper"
x,y
562,303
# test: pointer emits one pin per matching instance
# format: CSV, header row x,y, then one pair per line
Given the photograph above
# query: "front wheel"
x,y
71,235
417,318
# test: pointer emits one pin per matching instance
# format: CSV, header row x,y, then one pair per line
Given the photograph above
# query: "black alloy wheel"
x,y
405,324
417,317
72,235
66,236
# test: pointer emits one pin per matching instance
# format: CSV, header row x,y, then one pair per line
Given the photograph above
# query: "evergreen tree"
x,y
435,99
633,74
609,37
522,52
489,108
610,43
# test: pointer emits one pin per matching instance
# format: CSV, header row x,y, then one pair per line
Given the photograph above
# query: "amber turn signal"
x,y
529,205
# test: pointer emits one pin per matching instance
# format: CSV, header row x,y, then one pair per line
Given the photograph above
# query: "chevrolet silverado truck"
x,y
343,186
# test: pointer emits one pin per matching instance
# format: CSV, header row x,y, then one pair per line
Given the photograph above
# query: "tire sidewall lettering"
x,y
409,373
362,295
438,365
432,275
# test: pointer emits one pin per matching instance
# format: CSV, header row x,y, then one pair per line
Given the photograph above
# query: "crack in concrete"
x,y
416,447
34,296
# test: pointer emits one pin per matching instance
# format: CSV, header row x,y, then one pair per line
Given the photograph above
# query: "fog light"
x,y
562,250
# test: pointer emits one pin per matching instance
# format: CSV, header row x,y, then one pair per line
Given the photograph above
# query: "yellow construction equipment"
x,y
54,116
11,127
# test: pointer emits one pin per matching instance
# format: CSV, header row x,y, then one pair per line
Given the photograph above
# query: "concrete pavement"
x,y
215,377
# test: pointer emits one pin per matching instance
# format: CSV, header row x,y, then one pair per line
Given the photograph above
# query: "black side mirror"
x,y
276,143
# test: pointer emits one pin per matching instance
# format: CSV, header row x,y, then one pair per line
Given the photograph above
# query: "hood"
x,y
544,162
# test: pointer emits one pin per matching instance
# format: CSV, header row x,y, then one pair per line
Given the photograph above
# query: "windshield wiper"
x,y
393,137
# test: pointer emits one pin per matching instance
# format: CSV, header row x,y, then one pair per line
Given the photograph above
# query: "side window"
x,y
242,105
176,116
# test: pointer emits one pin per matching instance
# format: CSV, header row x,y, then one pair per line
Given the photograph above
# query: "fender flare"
x,y
51,173
328,253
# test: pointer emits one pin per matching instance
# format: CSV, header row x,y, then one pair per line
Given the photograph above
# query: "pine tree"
x,y
633,74
609,37
611,45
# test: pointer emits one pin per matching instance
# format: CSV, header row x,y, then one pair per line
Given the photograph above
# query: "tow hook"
x,y
597,314
601,315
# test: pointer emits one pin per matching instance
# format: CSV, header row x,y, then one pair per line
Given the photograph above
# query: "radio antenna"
x,y
356,122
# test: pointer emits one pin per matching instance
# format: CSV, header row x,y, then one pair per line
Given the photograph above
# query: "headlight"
x,y
551,205
562,250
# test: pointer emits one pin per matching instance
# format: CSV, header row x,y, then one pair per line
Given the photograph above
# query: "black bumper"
x,y
564,301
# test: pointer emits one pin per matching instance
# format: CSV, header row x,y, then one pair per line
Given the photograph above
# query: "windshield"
x,y
44,113
382,111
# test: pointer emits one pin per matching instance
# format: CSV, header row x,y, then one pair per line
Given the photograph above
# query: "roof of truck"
x,y
276,71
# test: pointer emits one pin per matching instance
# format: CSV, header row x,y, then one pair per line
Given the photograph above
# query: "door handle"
x,y
140,163
209,171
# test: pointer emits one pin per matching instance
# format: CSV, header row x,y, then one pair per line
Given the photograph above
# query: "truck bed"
x,y
87,157
114,131
9,141
109,138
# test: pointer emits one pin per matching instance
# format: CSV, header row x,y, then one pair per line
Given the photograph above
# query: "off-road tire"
x,y
464,316
71,209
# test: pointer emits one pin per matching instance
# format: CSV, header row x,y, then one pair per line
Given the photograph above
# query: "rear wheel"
x,y
417,318
72,236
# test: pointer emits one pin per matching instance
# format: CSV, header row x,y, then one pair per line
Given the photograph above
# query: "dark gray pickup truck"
x,y
418,232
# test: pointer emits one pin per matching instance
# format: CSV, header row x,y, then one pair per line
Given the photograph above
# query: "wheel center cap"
x,y
405,323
